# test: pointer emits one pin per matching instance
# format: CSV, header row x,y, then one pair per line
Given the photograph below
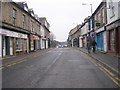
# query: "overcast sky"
x,y
62,15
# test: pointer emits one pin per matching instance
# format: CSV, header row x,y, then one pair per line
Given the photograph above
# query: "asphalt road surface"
x,y
56,68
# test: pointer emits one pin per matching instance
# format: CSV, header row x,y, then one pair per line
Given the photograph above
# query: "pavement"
x,y
112,62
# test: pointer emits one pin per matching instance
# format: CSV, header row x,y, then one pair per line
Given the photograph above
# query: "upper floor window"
x,y
14,16
102,16
99,17
119,3
31,26
23,20
0,7
112,9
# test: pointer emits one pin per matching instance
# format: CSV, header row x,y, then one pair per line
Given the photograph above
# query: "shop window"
x,y
112,40
18,44
25,44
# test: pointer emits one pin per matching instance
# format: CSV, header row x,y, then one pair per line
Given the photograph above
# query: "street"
x,y
56,68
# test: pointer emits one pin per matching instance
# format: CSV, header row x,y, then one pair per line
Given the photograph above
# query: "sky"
x,y
62,15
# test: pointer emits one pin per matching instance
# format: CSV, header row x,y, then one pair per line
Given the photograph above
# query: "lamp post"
x,y
91,35
88,4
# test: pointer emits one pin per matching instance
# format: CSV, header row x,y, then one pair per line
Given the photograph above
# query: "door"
x,y
105,41
117,42
11,46
101,41
3,46
0,46
7,42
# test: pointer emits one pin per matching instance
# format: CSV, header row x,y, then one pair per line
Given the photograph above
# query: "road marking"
x,y
0,65
12,63
113,79
110,67
53,62
118,79
107,72
21,61
1,68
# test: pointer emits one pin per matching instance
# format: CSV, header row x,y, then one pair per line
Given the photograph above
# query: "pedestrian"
x,y
94,45
89,43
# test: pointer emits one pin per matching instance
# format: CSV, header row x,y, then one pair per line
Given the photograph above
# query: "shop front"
x,y
0,42
101,39
113,33
84,41
81,41
13,42
34,42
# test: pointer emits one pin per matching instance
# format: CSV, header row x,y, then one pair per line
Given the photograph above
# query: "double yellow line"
x,y
108,72
12,63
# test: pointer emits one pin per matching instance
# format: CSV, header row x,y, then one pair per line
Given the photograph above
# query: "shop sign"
x,y
13,34
100,29
34,37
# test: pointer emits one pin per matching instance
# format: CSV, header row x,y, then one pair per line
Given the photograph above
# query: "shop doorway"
x,y
5,45
118,40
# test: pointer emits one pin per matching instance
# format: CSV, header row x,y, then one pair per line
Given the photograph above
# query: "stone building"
x,y
20,29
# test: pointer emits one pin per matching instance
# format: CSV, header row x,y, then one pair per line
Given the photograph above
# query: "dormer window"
x,y
31,12
25,7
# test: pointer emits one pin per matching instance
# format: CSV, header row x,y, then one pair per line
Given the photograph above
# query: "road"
x,y
56,68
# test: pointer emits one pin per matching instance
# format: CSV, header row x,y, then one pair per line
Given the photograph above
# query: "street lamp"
x,y
91,35
88,4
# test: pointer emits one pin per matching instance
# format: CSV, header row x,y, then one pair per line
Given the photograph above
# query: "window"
x,y
112,40
103,16
18,44
31,26
99,17
25,44
119,3
112,9
23,21
0,8
33,29
119,9
14,16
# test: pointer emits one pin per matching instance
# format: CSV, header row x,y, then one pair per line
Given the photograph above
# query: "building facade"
x,y
73,39
45,33
20,29
100,15
83,33
113,26
103,26
14,29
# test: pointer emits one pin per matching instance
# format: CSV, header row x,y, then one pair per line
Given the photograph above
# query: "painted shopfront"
x,y
13,42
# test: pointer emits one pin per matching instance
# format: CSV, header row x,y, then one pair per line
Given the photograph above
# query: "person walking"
x,y
89,43
94,45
